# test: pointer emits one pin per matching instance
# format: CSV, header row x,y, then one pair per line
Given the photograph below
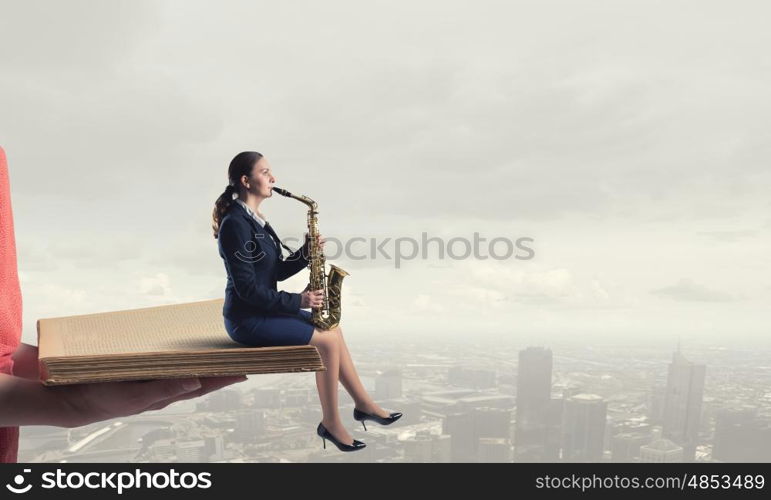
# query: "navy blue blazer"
x,y
253,267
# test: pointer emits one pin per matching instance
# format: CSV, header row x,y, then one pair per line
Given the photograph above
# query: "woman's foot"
x,y
373,409
338,430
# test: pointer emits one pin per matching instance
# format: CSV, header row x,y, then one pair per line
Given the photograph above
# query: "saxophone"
x,y
327,316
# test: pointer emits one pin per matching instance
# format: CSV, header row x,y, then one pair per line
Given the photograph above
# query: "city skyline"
x,y
604,405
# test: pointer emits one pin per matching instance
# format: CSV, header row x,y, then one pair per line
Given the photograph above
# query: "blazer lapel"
x,y
258,229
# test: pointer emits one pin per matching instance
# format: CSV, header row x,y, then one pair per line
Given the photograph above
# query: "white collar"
x,y
251,213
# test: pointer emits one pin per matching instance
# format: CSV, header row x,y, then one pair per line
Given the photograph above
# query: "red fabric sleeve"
x,y
10,303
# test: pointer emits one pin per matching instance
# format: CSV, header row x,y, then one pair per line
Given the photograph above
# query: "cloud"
x,y
497,283
32,258
425,303
106,251
689,291
81,107
729,236
565,121
157,285
60,40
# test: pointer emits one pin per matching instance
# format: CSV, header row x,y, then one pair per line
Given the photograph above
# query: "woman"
x,y
257,314
25,401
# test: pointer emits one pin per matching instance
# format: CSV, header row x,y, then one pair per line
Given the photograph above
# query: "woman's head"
x,y
249,174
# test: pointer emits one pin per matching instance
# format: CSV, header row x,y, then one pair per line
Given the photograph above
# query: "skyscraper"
x,y
583,428
682,403
461,426
741,435
536,431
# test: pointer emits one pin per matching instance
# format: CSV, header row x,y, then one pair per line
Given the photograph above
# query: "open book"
x,y
173,341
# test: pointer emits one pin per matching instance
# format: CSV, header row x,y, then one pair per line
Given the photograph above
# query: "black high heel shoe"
x,y
362,416
325,434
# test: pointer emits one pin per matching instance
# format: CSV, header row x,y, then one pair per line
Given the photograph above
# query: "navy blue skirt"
x,y
274,330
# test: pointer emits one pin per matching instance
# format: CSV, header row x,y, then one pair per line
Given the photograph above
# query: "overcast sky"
x,y
629,139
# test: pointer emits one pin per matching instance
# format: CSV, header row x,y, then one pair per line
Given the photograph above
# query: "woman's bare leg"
x,y
352,383
328,344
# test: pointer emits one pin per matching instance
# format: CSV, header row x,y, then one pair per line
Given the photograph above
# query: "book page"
x,y
189,326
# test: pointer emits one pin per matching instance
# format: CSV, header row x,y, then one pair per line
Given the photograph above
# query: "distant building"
x,y
494,450
493,423
418,449
193,450
214,448
625,447
742,436
682,403
583,428
439,404
388,384
266,398
656,399
293,398
250,425
461,428
428,448
499,401
475,378
661,450
442,449
537,420
466,426
162,450
223,400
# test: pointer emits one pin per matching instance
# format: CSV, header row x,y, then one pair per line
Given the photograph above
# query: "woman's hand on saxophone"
x,y
311,298
320,239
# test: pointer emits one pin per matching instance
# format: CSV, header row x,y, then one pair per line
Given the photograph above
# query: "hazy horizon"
x,y
631,149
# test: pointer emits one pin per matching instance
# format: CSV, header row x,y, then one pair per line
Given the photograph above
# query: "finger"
x,y
146,394
208,384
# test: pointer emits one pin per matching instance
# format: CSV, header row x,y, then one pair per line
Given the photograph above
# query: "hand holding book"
x,y
30,403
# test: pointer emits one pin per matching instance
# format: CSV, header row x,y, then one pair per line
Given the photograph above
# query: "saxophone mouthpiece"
x,y
282,192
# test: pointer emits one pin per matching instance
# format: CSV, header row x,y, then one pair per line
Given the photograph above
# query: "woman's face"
x,y
262,180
